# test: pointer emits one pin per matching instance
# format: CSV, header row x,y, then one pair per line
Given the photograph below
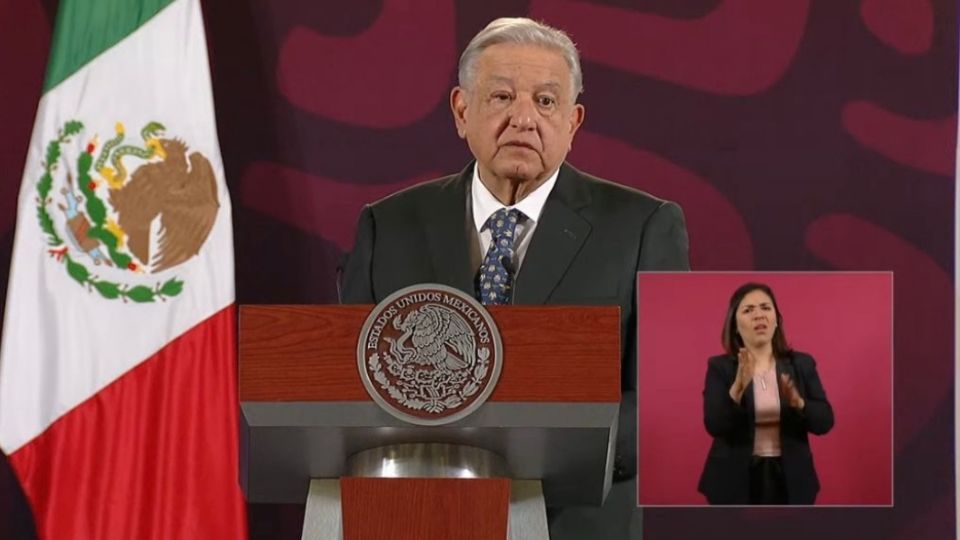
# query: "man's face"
x,y
519,115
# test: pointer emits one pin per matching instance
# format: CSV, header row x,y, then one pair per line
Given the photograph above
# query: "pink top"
x,y
766,399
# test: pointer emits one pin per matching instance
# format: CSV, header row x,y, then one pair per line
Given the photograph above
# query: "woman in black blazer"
x,y
759,402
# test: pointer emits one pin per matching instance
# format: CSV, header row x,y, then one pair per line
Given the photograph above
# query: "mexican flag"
x,y
118,405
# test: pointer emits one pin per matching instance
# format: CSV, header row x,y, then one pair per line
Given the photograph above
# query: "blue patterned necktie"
x,y
495,280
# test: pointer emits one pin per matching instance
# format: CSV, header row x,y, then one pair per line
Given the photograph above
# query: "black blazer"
x,y
592,238
726,474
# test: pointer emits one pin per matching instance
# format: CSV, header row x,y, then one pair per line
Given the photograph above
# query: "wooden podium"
x,y
311,432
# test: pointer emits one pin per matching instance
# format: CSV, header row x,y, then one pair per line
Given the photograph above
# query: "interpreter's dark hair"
x,y
732,342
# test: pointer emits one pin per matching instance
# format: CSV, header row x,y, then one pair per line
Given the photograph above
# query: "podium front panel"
x,y
552,416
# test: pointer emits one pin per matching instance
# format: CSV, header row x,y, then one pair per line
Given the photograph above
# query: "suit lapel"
x,y
445,224
556,241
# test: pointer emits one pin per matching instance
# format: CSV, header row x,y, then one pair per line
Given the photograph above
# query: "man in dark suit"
x,y
519,225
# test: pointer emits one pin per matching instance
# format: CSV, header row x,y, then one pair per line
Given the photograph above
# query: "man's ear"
x,y
458,105
576,119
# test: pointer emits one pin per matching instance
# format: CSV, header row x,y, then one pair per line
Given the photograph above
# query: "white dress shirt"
x,y
485,204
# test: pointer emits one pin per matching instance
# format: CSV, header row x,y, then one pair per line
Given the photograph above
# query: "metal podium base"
x,y
527,518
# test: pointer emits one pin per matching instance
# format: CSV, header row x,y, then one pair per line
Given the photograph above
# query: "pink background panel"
x,y
844,320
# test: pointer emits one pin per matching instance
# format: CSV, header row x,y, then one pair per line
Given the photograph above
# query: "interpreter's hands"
x,y
745,363
789,391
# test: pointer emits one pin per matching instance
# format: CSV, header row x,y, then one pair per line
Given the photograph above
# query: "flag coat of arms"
x,y
118,407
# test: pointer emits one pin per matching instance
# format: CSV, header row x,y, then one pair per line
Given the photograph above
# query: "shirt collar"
x,y
485,204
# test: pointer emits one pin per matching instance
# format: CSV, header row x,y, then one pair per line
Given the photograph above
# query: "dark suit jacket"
x,y
592,238
726,474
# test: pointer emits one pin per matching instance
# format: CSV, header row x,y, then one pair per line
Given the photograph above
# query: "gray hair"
x,y
525,31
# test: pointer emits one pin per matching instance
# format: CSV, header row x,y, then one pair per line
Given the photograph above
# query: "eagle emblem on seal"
x,y
429,354
440,338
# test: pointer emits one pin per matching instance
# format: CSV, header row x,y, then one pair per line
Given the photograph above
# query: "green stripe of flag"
x,y
86,28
